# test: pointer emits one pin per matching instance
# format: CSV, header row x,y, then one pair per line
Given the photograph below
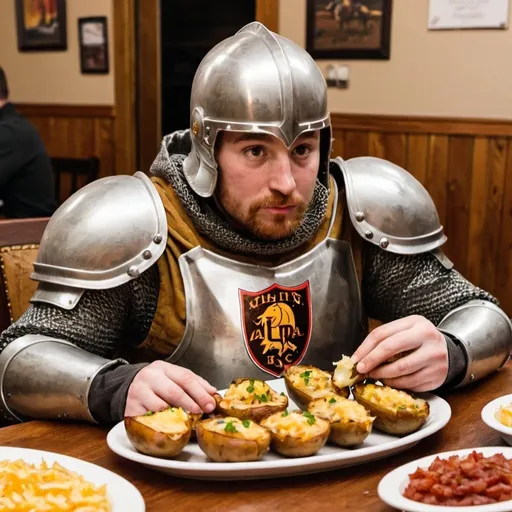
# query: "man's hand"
x,y
161,384
423,368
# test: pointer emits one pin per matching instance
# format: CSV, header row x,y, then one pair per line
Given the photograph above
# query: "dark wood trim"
x,y
125,87
51,110
417,124
267,12
22,231
148,82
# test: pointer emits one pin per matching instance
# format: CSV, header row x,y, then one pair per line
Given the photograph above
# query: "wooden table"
x,y
347,489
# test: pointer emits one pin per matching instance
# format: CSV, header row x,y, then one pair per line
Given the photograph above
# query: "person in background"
x,y
26,176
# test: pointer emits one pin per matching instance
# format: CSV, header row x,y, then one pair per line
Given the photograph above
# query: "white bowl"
x,y
392,486
489,417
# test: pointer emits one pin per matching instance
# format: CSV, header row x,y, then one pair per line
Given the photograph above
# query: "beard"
x,y
261,223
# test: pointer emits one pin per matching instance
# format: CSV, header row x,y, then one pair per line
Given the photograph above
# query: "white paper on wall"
x,y
446,14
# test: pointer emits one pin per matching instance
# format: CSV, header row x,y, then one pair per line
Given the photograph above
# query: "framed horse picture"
x,y
349,29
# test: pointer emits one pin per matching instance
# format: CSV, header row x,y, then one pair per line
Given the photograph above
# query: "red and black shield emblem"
x,y
276,323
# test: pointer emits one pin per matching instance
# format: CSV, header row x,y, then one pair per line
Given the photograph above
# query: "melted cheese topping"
x,y
246,429
295,424
246,391
314,382
392,399
172,421
340,410
250,392
504,415
345,373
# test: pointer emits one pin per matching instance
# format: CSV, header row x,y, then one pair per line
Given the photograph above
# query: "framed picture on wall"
x,y
93,41
41,25
349,29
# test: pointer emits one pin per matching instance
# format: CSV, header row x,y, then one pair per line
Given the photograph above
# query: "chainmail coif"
x,y
169,166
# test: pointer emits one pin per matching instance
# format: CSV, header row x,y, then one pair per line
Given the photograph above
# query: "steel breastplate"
x,y
245,320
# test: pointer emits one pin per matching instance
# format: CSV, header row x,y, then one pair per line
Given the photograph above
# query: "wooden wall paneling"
x,y
395,148
503,289
75,131
498,150
466,165
478,206
338,144
149,115
104,145
267,12
356,144
437,173
375,145
417,156
460,165
125,86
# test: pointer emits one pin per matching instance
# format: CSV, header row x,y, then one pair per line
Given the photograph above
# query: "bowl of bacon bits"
x,y
477,480
498,415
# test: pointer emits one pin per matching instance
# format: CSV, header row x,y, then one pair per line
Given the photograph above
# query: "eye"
x,y
255,151
302,150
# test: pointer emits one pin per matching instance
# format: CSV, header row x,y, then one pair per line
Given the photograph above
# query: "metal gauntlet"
x,y
484,332
47,378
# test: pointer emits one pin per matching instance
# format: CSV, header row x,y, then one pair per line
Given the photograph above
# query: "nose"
x,y
282,179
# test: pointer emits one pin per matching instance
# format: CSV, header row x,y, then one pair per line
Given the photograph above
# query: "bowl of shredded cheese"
x,y
498,415
49,482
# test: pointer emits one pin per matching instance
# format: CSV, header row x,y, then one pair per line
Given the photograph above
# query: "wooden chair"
x,y
81,171
19,243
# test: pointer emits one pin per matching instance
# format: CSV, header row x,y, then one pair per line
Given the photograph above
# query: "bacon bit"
x,y
456,482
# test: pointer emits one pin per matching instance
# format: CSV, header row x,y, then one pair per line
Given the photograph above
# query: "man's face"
x,y
264,186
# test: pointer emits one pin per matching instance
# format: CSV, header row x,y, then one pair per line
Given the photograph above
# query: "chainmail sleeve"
x,y
395,286
104,322
107,323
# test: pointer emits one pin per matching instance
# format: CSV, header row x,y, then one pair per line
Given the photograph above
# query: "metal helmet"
x,y
255,81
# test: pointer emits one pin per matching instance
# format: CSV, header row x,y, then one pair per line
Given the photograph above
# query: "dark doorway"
x,y
189,29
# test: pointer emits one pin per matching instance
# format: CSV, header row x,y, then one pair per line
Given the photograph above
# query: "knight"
x,y
247,249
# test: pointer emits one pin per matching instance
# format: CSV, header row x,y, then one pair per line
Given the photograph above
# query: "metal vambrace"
x,y
47,378
484,332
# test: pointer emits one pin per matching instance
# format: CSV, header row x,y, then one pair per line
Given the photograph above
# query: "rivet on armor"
x,y
8,395
472,376
146,254
384,242
368,234
157,239
79,397
65,415
70,302
133,271
360,216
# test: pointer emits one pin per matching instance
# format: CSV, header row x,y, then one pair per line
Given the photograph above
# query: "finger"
x,y
206,385
379,334
174,395
403,366
144,401
411,382
399,342
193,386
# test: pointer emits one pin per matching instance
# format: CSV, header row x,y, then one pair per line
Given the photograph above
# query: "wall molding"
x,y
57,110
422,124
